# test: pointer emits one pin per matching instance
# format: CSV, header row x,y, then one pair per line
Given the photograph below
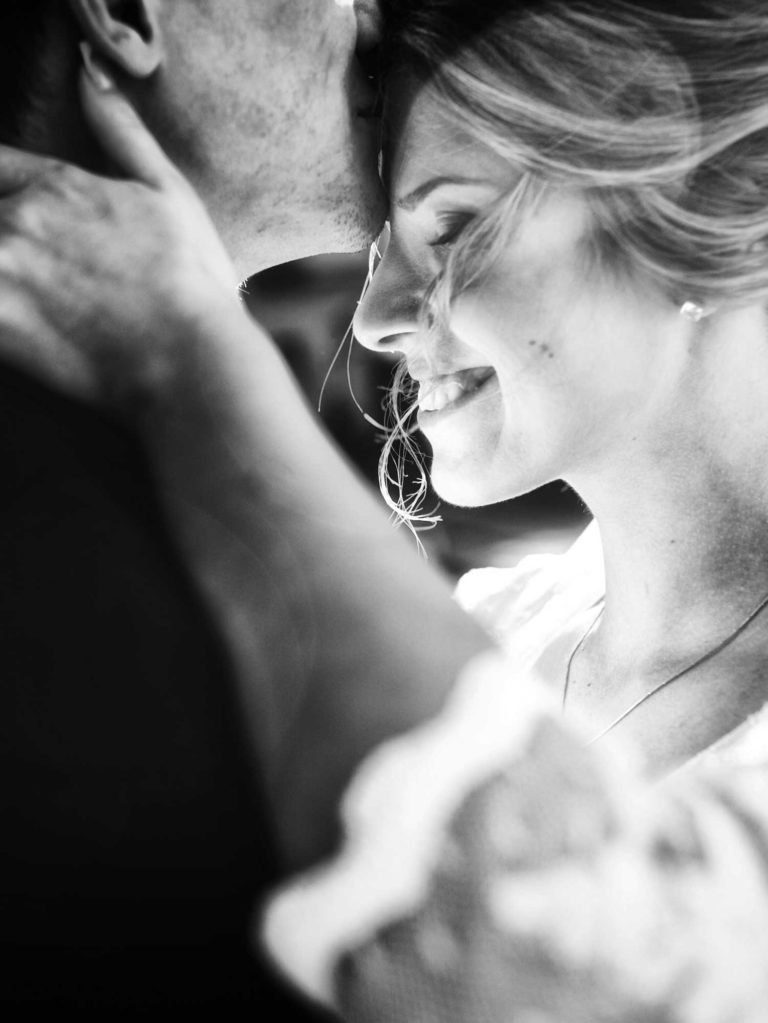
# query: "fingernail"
x,y
95,69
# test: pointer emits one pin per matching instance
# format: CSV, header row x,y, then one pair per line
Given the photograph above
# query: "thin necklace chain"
x,y
707,656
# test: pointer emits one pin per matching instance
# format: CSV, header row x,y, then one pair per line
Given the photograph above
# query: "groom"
x,y
134,844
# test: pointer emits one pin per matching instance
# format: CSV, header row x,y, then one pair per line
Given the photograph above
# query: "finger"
x,y
118,127
18,168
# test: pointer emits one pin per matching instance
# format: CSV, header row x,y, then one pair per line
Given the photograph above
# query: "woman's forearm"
x,y
340,634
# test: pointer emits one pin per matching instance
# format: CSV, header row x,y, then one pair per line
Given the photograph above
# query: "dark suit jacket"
x,y
133,845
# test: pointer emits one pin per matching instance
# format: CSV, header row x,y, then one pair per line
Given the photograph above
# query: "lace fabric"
x,y
495,869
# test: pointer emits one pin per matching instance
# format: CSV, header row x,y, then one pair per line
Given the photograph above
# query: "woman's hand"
x,y
103,280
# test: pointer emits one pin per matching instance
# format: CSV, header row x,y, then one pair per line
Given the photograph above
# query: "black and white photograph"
x,y
384,510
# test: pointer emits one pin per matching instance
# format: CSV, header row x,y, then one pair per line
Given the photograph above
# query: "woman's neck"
x,y
699,568
684,515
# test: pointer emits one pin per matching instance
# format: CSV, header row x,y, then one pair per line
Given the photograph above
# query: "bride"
x,y
575,274
597,317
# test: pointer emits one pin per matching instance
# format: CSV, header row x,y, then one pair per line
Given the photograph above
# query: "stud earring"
x,y
692,311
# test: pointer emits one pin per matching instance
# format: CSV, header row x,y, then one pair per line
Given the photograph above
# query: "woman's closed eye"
x,y
451,225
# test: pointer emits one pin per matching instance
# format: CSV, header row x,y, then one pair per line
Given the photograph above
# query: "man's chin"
x,y
351,235
350,223
348,227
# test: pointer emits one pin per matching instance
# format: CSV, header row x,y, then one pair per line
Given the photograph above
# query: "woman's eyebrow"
x,y
410,201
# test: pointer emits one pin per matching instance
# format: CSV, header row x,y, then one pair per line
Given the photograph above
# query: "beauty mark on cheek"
x,y
543,347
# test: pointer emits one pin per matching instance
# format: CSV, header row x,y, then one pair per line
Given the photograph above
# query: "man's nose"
x,y
389,311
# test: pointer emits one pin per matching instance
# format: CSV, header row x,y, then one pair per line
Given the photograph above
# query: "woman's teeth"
x,y
441,395
439,392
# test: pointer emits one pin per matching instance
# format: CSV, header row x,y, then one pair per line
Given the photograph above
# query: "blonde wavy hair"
x,y
659,118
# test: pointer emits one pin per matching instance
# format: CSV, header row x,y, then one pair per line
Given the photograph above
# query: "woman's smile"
x,y
441,395
548,355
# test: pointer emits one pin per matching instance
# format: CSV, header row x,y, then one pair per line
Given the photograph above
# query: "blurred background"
x,y
307,307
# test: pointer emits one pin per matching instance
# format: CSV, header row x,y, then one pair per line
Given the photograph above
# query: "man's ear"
x,y
127,32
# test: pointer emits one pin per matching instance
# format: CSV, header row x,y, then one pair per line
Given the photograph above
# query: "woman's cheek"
x,y
504,334
479,321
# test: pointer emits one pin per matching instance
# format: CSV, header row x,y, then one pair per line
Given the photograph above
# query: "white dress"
x,y
495,870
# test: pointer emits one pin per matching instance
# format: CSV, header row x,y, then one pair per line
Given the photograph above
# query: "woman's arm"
x,y
521,872
350,635
339,633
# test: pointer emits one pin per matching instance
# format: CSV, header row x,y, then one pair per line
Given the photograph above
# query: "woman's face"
x,y
550,366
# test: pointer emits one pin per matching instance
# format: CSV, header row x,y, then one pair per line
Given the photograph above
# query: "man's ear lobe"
x,y
127,32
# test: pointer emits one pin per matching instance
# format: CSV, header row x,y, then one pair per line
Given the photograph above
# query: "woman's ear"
x,y
127,32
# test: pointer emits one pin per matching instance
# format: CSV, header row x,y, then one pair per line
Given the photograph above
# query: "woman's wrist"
x,y
190,357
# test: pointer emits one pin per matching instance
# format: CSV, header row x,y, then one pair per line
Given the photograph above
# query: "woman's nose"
x,y
389,310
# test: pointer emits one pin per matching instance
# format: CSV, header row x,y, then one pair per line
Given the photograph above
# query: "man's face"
x,y
259,102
